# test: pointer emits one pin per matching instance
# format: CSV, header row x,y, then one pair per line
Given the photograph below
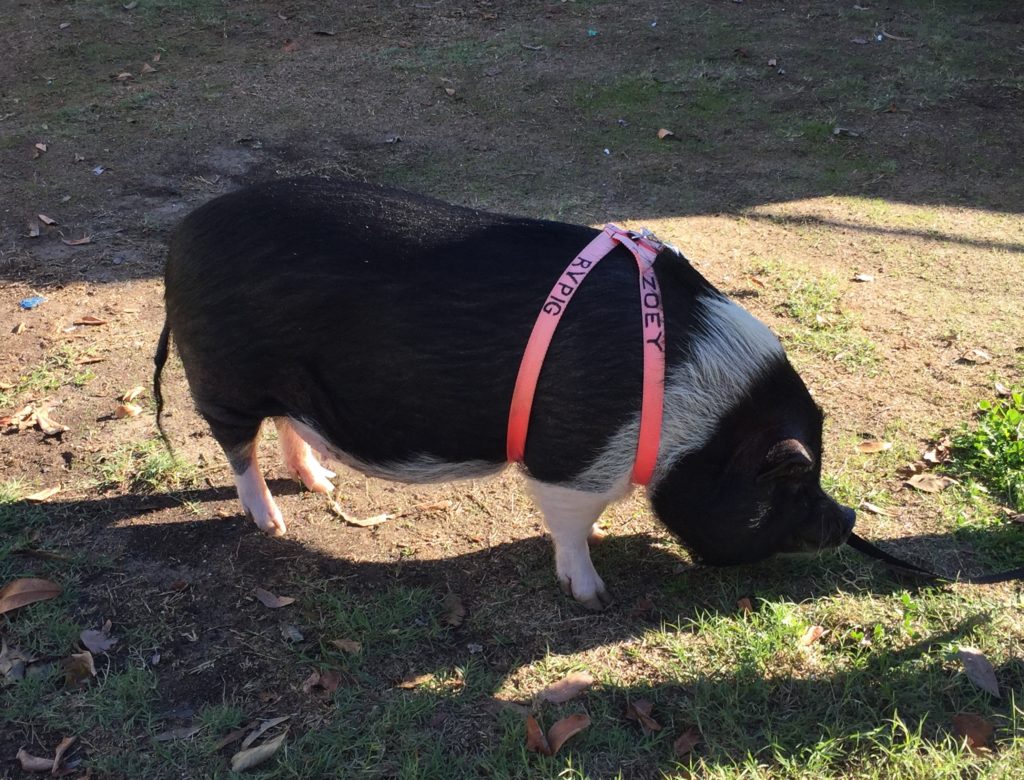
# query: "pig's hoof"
x,y
596,599
272,524
315,477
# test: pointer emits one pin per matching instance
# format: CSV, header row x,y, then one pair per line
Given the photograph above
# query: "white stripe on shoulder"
x,y
731,352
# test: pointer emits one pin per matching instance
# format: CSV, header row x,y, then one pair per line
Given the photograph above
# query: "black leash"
x,y
905,568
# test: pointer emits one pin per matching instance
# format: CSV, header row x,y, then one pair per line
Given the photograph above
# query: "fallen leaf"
x,y
686,742
535,739
328,681
42,495
290,46
30,763
133,394
79,668
263,728
873,509
291,633
975,356
182,732
13,662
367,523
859,41
33,229
88,319
24,591
974,730
640,711
124,76
77,241
61,749
98,640
449,92
941,452
979,670
454,611
48,221
414,682
811,635
565,729
773,62
272,601
929,483
229,739
892,37
664,133
46,424
910,469
123,411
88,360
567,688
872,446
347,645
147,68
863,278
745,605
247,759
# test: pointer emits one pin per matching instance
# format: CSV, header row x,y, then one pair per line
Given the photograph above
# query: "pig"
x,y
384,330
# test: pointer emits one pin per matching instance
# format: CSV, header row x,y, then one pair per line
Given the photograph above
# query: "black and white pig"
x,y
385,330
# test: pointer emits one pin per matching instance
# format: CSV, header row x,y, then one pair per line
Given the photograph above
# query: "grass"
x,y
819,324
145,467
992,451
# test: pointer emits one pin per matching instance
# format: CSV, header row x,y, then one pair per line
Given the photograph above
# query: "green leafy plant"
x,y
993,452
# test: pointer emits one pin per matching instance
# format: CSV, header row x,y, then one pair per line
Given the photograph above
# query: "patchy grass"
x,y
144,466
992,451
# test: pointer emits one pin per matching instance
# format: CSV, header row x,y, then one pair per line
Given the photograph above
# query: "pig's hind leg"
x,y
237,436
300,460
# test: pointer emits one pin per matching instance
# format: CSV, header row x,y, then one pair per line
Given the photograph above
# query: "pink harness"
x,y
644,248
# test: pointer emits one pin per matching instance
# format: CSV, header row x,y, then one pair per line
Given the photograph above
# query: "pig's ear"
x,y
788,458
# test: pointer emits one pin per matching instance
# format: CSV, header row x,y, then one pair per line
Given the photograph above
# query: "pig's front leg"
x,y
570,516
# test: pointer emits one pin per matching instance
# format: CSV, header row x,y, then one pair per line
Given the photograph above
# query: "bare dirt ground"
x,y
810,144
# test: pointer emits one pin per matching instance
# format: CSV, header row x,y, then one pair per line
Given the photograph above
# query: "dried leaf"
x,y
454,611
48,221
368,522
347,645
811,635
263,728
41,147
42,495
147,68
182,732
88,319
773,62
977,732
291,633
28,590
98,641
79,668
247,759
272,601
33,229
13,661
859,41
229,739
77,241
872,446
568,688
30,763
124,76
328,681
535,739
449,92
664,133
979,670
863,278
941,452
58,755
745,605
133,394
640,711
892,37
565,729
873,509
123,411
415,681
930,483
686,742
975,356
46,424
